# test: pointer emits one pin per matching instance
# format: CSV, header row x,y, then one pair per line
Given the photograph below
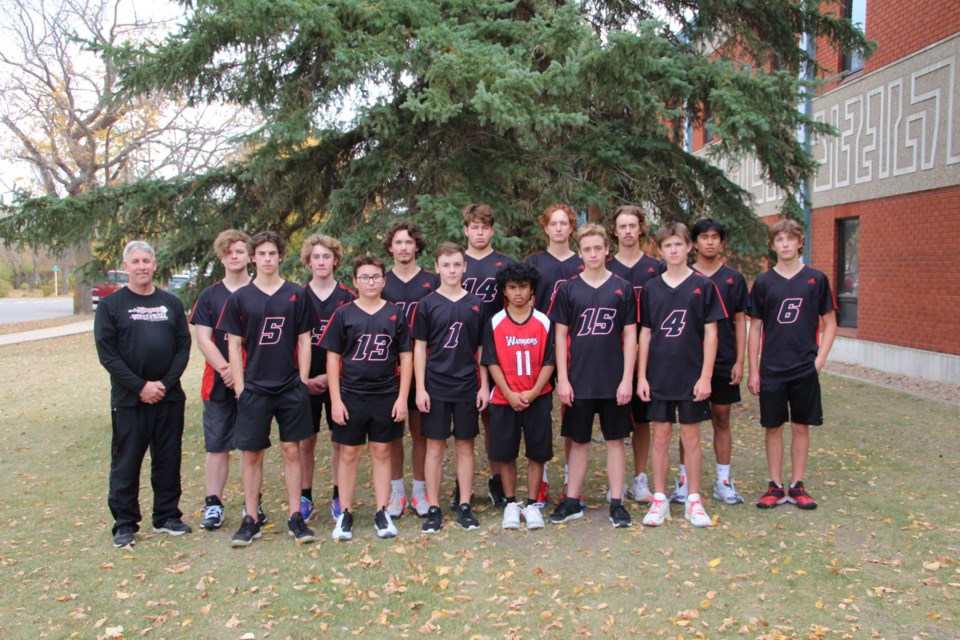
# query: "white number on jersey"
x,y
272,330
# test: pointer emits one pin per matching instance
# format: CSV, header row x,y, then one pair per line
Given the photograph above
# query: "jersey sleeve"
x,y
229,321
200,315
827,302
713,308
550,353
182,346
333,338
420,327
305,316
489,355
756,300
644,319
628,306
404,341
559,311
741,298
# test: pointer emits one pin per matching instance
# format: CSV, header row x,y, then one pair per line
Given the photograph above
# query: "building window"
x,y
708,121
856,12
848,270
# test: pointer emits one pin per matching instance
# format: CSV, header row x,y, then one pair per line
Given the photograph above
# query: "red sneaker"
x,y
772,497
799,496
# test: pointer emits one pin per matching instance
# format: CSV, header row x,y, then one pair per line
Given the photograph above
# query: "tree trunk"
x,y
82,303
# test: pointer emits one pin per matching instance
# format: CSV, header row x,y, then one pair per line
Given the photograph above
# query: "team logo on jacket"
x,y
149,314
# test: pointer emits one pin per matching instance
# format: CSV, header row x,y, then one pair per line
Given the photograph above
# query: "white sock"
x,y
566,474
397,485
546,478
723,472
419,486
683,474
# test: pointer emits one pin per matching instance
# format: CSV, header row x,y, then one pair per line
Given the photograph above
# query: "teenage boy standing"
x,y
595,314
679,311
709,237
519,354
480,279
629,225
322,255
406,285
366,341
268,325
447,330
216,390
788,304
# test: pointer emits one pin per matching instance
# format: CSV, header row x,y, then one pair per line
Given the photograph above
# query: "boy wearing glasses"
x,y
365,341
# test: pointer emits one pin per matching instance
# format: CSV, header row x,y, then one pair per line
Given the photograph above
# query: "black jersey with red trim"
x,y
480,279
206,312
644,270
407,295
322,312
790,310
552,273
453,331
270,326
369,345
520,349
595,318
676,317
732,288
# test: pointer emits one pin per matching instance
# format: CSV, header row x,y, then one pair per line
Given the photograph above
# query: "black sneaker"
x,y
343,530
619,516
299,529
248,532
261,516
383,523
124,537
212,514
465,518
433,521
495,490
568,509
455,496
173,526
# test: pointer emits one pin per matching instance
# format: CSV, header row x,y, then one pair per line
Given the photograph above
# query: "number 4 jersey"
x,y
790,310
676,318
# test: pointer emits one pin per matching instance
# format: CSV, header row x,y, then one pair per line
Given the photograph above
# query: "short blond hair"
x,y
226,238
328,242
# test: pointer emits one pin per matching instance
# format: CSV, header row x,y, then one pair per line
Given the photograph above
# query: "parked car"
x,y
112,282
178,282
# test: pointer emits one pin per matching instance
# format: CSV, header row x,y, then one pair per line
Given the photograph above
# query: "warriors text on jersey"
x,y
521,350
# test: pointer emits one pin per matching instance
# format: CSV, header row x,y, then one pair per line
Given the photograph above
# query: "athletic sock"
x,y
545,477
566,474
723,472
307,493
683,473
397,485
420,486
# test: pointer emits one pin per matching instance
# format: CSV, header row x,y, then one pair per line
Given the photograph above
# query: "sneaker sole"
x,y
535,526
511,526
303,539
132,543
622,525
169,531
244,543
347,535
642,498
733,500
467,527
647,523
211,527
572,516
430,532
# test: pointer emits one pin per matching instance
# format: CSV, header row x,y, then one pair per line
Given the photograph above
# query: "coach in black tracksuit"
x,y
143,341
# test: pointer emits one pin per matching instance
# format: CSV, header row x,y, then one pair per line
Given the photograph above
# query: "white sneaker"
x,y
398,503
639,490
344,527
694,512
679,495
511,516
531,513
725,492
659,511
418,499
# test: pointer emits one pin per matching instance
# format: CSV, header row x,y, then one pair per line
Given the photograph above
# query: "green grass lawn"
x,y
878,559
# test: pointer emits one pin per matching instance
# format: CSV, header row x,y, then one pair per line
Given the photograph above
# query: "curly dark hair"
x,y
518,272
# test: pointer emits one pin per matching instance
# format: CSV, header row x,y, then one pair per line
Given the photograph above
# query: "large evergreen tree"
x,y
379,108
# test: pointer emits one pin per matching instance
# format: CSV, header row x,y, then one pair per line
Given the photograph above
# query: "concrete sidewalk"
x,y
85,326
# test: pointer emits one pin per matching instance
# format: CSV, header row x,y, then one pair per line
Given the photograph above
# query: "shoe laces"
x,y
696,508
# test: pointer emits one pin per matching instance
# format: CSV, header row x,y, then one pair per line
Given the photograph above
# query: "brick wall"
x,y
909,292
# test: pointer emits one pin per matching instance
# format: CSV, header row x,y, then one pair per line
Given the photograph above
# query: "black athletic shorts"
x,y
638,410
682,411
318,406
219,418
796,401
722,392
436,424
255,412
577,422
534,423
369,418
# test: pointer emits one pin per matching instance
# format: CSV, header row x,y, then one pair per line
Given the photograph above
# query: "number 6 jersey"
x,y
790,310
676,318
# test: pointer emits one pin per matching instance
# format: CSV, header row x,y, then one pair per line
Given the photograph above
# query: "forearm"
x,y
406,373
420,364
235,354
709,350
304,356
561,352
629,354
333,376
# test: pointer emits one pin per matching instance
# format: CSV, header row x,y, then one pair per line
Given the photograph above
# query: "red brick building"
x,y
885,221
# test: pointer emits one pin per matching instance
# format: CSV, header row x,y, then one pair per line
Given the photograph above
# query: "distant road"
x,y
13,310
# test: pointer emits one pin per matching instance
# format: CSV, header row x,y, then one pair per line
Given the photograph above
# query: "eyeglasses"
x,y
368,279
